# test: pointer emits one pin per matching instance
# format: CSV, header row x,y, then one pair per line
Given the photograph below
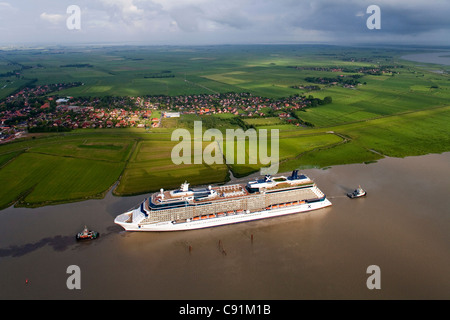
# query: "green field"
x,y
38,179
151,164
396,115
60,169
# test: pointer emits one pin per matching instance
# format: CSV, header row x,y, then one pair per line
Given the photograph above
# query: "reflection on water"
x,y
58,243
401,226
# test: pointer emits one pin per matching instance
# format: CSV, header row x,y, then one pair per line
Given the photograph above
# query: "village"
x,y
38,109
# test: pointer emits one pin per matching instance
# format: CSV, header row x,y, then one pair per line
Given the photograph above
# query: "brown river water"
x,y
402,226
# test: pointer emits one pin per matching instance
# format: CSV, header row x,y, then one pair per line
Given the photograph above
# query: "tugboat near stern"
x,y
87,234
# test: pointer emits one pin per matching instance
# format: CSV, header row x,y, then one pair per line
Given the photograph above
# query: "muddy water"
x,y
402,226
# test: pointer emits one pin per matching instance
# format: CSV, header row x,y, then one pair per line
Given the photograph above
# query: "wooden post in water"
x,y
221,248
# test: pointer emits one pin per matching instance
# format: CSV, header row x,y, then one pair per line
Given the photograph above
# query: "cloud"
x,y
52,18
123,11
187,18
397,16
7,9
233,21
281,20
5,5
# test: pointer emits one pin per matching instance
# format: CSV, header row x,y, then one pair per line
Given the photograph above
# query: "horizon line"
x,y
37,45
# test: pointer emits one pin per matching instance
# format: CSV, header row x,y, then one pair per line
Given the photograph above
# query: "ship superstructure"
x,y
193,208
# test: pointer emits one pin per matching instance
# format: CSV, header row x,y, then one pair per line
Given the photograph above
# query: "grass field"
x,y
380,97
60,168
291,147
151,168
39,179
397,115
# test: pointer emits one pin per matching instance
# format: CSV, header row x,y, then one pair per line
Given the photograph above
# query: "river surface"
x,y
430,57
402,226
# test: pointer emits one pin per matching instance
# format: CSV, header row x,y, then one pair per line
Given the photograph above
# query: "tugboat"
x,y
359,192
87,234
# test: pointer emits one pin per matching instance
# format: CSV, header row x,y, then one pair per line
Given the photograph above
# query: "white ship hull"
x,y
217,221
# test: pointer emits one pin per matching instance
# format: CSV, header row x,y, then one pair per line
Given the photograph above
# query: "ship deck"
x,y
223,192
176,199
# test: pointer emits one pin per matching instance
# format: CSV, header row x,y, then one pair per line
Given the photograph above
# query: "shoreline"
x,y
231,180
440,58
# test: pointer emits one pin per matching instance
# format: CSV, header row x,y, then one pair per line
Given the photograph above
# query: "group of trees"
x,y
314,102
77,65
348,80
44,128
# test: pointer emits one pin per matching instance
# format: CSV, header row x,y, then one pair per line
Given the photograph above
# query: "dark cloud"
x,y
350,16
218,21
415,20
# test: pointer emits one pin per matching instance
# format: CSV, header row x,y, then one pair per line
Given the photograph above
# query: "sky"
x,y
209,22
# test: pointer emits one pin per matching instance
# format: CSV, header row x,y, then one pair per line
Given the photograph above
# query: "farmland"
x,y
404,111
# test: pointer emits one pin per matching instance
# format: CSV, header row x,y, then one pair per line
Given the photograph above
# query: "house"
x,y
171,114
61,100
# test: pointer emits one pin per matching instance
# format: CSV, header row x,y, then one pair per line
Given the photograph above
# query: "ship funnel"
x,y
294,174
185,186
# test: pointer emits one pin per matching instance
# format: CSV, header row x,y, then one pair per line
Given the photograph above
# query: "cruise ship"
x,y
194,208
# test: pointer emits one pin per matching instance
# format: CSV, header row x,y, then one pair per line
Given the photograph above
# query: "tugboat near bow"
x,y
359,192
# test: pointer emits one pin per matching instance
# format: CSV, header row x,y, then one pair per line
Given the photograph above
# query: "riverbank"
x,y
442,58
60,169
